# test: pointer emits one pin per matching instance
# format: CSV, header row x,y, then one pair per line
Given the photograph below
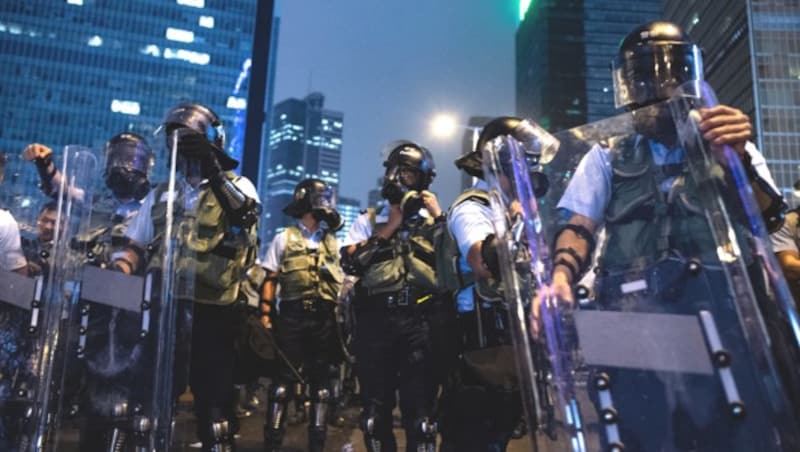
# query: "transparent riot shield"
x,y
36,289
686,339
206,280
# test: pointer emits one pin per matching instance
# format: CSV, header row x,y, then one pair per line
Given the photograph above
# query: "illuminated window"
x,y
192,3
189,56
206,21
176,34
95,41
236,103
152,50
127,107
75,2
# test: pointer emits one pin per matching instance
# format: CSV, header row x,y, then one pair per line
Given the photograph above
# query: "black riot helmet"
x,y
652,61
530,136
536,144
199,129
128,162
409,166
310,194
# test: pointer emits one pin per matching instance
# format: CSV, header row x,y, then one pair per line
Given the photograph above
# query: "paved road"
x,y
340,439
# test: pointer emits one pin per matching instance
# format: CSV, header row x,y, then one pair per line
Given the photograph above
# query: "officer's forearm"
x,y
790,264
573,247
242,210
268,290
48,174
129,259
476,262
357,258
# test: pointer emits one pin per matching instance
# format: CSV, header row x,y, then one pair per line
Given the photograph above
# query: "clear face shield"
x,y
653,72
127,168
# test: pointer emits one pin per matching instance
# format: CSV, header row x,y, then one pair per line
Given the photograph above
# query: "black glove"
x,y
330,216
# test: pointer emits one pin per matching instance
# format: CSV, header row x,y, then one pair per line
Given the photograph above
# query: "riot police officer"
x,y
391,252
482,407
102,372
641,192
303,262
129,160
226,208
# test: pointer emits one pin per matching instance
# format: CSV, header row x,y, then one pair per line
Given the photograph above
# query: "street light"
x,y
445,125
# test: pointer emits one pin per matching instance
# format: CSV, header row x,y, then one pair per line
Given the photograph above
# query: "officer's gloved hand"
x,y
209,165
330,216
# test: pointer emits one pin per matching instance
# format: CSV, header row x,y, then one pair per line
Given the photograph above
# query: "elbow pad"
x,y
775,214
489,255
242,211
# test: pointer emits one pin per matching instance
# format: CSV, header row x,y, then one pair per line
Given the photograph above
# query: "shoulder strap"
x,y
293,234
473,194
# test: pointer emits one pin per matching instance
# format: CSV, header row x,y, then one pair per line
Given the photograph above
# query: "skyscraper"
x,y
349,209
564,52
374,197
305,141
80,71
751,50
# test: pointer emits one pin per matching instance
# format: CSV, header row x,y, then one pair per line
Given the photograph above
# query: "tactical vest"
x,y
308,274
448,256
113,229
402,262
643,223
211,255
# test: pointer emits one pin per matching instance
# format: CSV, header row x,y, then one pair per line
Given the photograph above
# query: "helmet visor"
x,y
130,156
652,72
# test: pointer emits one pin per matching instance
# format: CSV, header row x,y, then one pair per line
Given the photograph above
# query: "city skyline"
x,y
89,70
390,81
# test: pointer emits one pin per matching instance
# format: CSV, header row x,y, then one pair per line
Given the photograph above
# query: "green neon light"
x,y
524,5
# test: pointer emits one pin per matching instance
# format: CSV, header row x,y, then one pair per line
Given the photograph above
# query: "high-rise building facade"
x,y
80,71
305,141
550,73
752,60
349,209
374,197
605,23
564,51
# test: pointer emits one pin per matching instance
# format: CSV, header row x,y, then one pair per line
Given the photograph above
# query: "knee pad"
x,y
276,412
321,400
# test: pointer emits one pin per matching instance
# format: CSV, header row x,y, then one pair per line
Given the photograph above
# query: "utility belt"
x,y
307,305
406,298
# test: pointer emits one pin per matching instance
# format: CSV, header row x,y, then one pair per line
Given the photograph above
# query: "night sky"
x,y
391,65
